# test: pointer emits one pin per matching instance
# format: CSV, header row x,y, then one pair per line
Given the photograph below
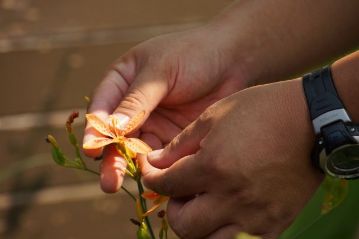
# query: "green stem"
x,y
92,171
129,193
143,205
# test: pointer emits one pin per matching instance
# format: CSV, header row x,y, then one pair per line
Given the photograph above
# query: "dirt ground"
x,y
52,53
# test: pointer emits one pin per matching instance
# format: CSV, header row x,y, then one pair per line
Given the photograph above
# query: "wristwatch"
x,y
336,149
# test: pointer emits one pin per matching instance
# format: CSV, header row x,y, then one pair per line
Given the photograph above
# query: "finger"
x,y
226,232
143,95
160,126
183,178
112,170
106,98
152,140
198,217
186,143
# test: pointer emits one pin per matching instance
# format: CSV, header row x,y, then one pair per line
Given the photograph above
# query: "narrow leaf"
x,y
336,190
58,156
143,232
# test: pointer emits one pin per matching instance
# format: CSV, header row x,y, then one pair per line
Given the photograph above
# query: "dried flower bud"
x,y
134,221
161,214
70,120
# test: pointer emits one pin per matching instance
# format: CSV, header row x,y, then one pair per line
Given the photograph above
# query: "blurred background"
x,y
52,54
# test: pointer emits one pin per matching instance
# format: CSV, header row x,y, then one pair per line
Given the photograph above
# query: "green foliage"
x,y
60,158
163,234
143,232
336,190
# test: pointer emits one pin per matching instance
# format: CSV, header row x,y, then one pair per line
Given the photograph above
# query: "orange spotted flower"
x,y
157,200
114,133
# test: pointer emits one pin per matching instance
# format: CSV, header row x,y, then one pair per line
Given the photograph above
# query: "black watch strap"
x,y
324,104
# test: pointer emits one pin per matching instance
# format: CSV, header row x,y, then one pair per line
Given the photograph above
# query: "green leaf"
x,y
164,228
72,139
143,232
336,190
60,158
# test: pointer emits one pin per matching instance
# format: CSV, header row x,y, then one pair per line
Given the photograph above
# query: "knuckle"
x,y
135,99
166,186
212,163
179,227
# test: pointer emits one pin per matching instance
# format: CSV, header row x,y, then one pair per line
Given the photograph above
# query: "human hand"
x,y
184,73
244,165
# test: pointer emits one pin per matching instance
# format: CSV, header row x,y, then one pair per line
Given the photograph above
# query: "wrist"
x,y
345,74
224,39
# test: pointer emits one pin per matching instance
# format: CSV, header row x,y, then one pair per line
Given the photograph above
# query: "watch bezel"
x,y
327,162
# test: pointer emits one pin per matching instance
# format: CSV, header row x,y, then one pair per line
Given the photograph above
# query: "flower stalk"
x,y
128,149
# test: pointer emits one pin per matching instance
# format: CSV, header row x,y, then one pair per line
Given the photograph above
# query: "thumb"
x,y
186,143
144,94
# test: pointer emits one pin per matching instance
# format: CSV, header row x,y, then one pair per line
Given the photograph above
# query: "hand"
x,y
244,165
184,73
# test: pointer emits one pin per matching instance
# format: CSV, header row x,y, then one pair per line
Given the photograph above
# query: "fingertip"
x,y
112,171
149,173
122,119
156,158
92,153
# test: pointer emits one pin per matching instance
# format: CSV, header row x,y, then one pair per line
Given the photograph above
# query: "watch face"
x,y
343,162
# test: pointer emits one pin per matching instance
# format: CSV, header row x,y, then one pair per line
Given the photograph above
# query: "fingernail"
x,y
120,165
87,137
122,119
155,155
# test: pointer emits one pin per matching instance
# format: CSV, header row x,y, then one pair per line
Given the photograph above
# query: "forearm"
x,y
274,39
345,73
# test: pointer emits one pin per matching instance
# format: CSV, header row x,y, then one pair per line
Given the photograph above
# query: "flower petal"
x,y
150,195
137,146
152,209
97,142
134,122
99,125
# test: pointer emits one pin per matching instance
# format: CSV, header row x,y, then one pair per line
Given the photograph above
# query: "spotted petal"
x,y
97,142
137,146
99,125
134,122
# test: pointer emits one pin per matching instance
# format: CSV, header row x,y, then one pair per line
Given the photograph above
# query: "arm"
x,y
175,77
247,156
275,39
346,78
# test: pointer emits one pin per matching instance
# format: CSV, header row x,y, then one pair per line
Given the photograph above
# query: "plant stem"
x,y
143,205
129,193
92,171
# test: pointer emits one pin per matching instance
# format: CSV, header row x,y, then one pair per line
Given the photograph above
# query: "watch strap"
x,y
324,104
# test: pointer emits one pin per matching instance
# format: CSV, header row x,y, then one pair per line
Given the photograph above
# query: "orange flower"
x,y
156,199
114,132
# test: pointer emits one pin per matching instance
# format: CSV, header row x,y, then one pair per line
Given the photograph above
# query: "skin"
x,y
234,165
171,83
239,176
175,77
